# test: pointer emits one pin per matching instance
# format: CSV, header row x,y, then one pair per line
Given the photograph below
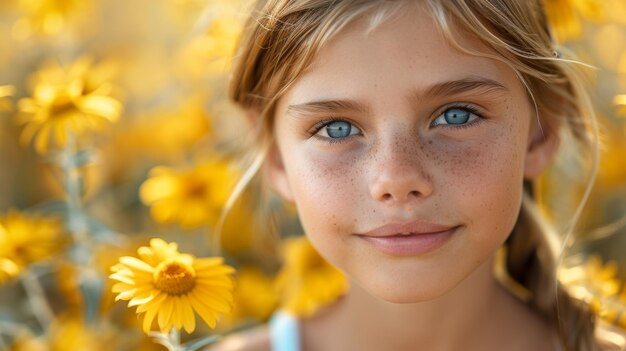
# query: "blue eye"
x,y
455,116
339,130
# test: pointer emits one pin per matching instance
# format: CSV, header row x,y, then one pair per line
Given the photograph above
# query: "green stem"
x,y
37,298
170,340
71,186
174,338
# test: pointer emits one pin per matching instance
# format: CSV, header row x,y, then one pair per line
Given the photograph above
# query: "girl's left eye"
x,y
455,116
338,130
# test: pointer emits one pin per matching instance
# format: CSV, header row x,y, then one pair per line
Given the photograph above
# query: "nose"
x,y
400,178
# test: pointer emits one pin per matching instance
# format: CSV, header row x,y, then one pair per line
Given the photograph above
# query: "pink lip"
x,y
409,239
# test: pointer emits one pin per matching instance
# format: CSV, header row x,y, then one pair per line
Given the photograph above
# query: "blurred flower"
x,y
72,279
166,134
67,101
620,100
25,239
595,283
564,16
190,197
254,296
26,341
46,17
211,52
306,281
5,92
70,333
170,286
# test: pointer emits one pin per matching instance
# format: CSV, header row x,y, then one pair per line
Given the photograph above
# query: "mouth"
x,y
417,227
409,239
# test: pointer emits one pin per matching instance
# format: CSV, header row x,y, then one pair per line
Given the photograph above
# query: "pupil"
x,y
456,116
338,129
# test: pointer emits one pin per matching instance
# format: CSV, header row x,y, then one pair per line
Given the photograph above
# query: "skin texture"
x,y
397,166
401,163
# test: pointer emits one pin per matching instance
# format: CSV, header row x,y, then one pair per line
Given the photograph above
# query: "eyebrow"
x,y
325,106
474,84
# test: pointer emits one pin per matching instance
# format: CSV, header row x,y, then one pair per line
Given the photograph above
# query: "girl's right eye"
x,y
337,130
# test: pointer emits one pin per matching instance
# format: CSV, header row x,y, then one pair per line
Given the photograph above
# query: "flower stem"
x,y
71,186
170,340
37,298
174,337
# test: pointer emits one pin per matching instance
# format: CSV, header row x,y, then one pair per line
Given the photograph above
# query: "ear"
x,y
544,143
277,175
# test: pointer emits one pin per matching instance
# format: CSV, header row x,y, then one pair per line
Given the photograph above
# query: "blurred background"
x,y
115,128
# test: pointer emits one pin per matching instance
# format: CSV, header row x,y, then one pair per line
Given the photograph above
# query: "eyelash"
x,y
466,107
323,123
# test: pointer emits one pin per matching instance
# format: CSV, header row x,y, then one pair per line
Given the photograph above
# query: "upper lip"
x,y
407,228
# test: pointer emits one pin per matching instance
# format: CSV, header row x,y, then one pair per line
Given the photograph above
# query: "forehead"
x,y
407,50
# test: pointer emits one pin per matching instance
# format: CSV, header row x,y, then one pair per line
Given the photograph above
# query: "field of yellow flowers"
x,y
119,151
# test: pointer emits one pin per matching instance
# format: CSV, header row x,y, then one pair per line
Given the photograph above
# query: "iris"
x,y
456,116
338,129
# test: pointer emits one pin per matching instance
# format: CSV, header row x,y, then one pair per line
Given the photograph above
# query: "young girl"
x,y
408,134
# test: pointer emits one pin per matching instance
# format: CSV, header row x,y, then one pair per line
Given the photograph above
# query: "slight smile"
x,y
409,239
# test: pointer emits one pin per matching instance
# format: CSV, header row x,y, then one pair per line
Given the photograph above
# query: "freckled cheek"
x,y
484,179
326,189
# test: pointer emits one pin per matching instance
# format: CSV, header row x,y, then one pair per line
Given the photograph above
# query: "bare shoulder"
x,y
256,339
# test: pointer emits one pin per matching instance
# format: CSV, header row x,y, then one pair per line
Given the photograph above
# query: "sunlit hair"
x,y
282,38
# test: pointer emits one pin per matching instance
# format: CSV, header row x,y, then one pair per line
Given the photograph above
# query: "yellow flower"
x,y
25,239
564,16
595,283
169,286
67,101
46,17
211,51
254,296
189,197
306,281
5,92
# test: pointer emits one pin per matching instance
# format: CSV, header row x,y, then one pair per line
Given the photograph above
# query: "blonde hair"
x,y
282,38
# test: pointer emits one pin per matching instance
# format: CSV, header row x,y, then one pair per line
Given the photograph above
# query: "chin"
x,y
400,292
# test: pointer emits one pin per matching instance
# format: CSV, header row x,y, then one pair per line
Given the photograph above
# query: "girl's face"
x,y
405,157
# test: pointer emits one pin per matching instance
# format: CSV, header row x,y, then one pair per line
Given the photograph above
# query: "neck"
x,y
464,318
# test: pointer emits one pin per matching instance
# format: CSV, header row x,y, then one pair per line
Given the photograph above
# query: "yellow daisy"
x,y
306,281
169,286
67,101
189,197
25,239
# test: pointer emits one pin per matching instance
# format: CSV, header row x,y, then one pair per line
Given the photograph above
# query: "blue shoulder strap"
x,y
284,332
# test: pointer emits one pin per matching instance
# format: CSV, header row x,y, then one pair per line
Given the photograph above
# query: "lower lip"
x,y
410,245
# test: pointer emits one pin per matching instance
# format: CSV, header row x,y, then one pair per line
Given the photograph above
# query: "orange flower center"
x,y
174,277
196,188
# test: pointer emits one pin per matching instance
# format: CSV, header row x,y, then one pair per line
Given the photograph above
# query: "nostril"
x,y
387,197
414,193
